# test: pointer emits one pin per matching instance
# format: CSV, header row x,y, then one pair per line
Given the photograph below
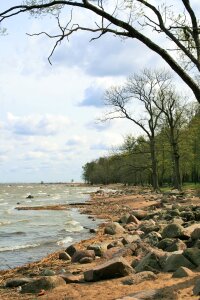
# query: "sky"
x,y
49,116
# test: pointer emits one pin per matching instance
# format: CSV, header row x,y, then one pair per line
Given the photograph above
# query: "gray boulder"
x,y
196,289
152,238
173,231
71,250
113,228
15,282
176,245
43,283
116,267
193,255
195,235
174,261
182,272
98,249
151,262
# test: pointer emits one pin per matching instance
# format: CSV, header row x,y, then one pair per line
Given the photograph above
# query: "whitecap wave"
x,y
5,223
65,241
12,248
73,226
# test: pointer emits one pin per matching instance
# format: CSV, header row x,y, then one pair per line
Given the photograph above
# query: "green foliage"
x,y
132,164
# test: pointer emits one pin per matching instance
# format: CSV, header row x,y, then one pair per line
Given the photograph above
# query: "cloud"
x,y
37,124
100,146
107,56
98,126
93,97
75,141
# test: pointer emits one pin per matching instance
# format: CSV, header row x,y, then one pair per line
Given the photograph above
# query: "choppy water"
x,y
26,235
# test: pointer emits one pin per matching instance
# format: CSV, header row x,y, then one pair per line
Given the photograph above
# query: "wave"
x,y
12,248
5,223
65,241
73,226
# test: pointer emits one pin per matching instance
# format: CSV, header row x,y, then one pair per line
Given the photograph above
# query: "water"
x,y
25,235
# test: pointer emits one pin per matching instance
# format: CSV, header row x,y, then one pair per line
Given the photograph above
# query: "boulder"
x,y
78,255
176,245
70,278
116,267
196,289
98,249
152,238
86,260
47,272
173,231
193,255
139,213
165,243
124,219
43,283
15,282
133,219
182,272
151,262
113,228
174,261
195,235
71,250
117,252
64,256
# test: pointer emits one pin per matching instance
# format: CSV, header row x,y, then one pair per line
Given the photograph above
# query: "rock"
x,y
78,255
187,216
182,272
139,213
143,295
114,244
196,289
151,262
133,219
47,272
165,243
85,260
176,245
117,252
128,239
173,231
99,249
29,197
124,219
148,227
152,238
64,256
193,255
188,230
113,228
116,267
45,283
195,235
71,250
92,230
15,282
175,261
70,278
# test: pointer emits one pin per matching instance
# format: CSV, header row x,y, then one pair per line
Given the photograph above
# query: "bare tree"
x,y
174,111
145,88
141,20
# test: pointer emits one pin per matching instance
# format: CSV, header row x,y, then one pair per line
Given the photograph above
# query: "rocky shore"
x,y
148,247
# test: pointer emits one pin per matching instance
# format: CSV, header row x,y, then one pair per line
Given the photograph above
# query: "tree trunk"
x,y
176,165
154,165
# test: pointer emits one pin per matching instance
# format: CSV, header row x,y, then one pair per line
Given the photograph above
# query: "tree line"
x,y
169,150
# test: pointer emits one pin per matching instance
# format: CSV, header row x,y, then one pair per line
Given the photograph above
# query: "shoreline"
x,y
108,207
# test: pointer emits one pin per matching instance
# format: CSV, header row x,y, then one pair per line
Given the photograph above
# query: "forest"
x,y
168,153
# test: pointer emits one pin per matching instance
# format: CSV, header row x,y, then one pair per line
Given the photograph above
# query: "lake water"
x,y
25,235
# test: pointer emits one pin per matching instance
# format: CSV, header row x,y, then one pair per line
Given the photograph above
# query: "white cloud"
x,y
37,124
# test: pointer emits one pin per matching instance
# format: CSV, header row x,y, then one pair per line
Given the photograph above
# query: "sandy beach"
x,y
110,207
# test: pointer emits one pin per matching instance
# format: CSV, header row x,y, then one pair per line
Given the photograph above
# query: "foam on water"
x,y
17,247
65,241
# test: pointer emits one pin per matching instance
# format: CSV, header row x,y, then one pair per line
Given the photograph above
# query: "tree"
x,y
146,88
132,19
174,109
